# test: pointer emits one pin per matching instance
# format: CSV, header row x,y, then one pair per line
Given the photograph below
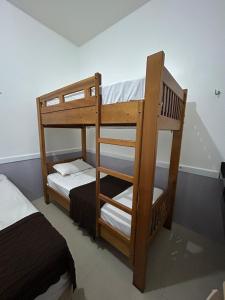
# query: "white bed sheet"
x,y
123,91
14,206
64,184
118,218
117,92
109,213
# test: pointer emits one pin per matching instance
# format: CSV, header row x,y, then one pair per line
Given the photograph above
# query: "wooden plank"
x,y
116,174
115,232
119,244
42,150
136,180
166,123
118,142
57,197
120,113
69,105
153,93
78,116
111,201
97,145
172,83
69,89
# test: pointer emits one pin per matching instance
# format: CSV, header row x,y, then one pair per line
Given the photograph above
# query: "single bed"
x,y
109,213
14,206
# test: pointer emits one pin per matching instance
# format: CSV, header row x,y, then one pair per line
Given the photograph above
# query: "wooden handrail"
x,y
111,201
118,142
116,174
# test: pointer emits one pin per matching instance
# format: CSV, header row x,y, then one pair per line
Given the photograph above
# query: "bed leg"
x,y
139,271
46,196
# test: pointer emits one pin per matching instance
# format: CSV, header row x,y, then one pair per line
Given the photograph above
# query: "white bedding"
x,y
117,92
110,214
14,206
118,218
64,184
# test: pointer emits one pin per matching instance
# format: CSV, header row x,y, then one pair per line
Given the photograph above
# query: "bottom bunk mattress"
x,y
30,266
80,190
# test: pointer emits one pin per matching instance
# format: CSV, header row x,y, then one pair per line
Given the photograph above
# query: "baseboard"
x,y
162,164
16,158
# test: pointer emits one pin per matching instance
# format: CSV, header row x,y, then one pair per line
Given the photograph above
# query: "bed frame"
x,y
162,108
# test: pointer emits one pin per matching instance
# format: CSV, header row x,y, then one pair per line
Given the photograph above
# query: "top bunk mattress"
x,y
123,91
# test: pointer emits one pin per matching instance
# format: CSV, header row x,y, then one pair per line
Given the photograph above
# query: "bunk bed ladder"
x,y
132,179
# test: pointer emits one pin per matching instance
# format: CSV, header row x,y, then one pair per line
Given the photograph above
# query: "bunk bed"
x,y
161,108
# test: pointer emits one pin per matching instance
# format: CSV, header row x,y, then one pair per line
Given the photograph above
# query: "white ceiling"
x,y
78,20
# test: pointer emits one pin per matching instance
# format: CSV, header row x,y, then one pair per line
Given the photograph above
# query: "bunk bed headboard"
x,y
79,94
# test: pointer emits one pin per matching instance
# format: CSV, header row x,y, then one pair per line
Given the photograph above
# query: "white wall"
x,y
33,61
192,34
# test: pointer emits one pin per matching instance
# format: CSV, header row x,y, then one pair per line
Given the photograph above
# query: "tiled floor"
x,y
182,264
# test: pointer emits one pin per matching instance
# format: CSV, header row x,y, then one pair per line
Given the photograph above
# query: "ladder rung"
x,y
115,203
116,174
114,231
125,143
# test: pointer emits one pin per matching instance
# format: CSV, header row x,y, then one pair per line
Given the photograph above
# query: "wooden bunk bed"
x,y
162,108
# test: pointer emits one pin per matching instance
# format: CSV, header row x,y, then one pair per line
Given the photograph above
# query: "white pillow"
x,y
72,167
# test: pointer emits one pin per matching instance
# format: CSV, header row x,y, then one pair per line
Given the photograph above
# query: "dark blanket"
x,y
83,201
33,256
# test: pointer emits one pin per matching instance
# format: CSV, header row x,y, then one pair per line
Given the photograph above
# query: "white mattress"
x,y
123,91
14,206
110,214
117,92
118,218
64,184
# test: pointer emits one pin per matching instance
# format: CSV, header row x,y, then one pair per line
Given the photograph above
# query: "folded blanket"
x,y
83,201
33,256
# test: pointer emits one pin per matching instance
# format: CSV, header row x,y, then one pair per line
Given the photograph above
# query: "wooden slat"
x,y
166,123
97,145
116,174
136,180
172,83
69,89
111,201
77,116
125,143
114,240
114,231
69,105
120,113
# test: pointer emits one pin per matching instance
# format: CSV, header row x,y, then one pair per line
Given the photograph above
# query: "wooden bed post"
x,y
98,128
152,104
174,164
83,143
42,152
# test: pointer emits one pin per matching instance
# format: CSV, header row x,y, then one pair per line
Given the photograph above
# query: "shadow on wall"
x,y
198,147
